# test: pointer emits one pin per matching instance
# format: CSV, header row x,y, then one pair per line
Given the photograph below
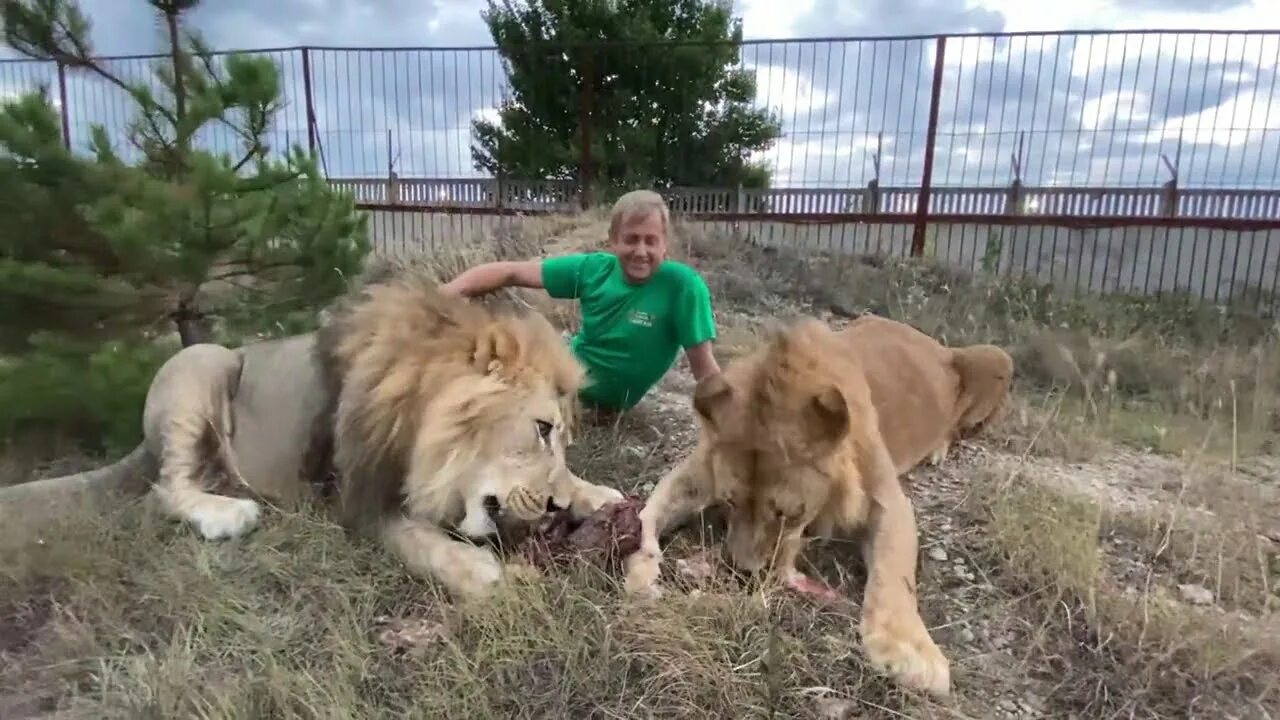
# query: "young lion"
x,y
809,433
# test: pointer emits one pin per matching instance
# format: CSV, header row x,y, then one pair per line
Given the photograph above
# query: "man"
x,y
639,308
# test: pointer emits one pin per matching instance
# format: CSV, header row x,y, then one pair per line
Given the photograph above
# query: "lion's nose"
x,y
491,506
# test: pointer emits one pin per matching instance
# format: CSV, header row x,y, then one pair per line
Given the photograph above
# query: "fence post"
x,y
931,137
586,174
311,106
1015,198
62,105
1169,198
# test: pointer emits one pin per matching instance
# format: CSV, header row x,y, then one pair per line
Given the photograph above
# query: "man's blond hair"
x,y
637,205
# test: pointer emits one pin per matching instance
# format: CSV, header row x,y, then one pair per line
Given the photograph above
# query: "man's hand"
x,y
702,362
450,289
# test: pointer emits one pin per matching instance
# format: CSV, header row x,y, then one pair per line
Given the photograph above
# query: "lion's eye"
x,y
544,430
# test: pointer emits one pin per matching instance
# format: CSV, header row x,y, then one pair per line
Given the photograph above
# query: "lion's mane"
x,y
413,370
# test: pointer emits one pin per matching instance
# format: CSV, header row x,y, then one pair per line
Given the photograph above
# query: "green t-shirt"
x,y
631,334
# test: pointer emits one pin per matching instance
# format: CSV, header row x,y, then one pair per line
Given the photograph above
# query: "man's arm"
x,y
486,278
696,327
702,361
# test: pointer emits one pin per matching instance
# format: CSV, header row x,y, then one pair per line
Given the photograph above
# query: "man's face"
x,y
641,245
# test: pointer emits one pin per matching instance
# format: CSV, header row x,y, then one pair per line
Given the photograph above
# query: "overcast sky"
x,y
1088,109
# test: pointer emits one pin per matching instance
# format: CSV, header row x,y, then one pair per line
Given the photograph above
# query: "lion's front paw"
x,y
901,647
474,573
593,497
643,569
522,572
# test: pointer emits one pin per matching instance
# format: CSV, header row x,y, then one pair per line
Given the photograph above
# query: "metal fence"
x,y
1110,161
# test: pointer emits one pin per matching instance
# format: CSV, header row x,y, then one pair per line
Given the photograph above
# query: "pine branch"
x,y
248,269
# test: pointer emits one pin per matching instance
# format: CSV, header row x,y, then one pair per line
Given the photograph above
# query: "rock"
x,y
937,554
1196,594
967,636
830,708
409,636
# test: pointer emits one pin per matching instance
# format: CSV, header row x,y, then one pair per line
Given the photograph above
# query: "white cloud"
x,y
788,91
771,18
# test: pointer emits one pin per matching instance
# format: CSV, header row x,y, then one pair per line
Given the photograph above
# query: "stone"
x,y
1196,594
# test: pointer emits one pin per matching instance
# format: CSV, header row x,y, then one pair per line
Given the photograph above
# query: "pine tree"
x,y
99,252
124,238
667,102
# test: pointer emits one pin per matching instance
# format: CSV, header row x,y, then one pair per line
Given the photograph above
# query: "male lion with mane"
x,y
436,415
808,435
449,417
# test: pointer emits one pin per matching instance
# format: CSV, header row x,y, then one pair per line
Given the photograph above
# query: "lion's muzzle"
x,y
527,505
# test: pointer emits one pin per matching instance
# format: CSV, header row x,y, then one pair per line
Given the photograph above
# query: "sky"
x,y
1049,109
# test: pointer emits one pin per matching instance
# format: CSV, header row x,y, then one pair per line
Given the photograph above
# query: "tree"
x,y
667,103
98,251
110,237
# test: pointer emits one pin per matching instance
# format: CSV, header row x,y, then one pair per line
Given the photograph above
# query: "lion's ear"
x,y
496,347
711,396
828,413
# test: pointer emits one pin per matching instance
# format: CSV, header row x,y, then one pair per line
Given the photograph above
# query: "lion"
x,y
808,435
437,416
450,418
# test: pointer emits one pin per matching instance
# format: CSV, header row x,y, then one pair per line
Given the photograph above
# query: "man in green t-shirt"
x,y
639,308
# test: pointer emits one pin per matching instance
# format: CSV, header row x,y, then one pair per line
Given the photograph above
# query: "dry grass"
x,y
1101,611
1064,561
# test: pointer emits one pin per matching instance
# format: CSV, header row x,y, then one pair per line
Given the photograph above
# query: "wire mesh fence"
x,y
1129,161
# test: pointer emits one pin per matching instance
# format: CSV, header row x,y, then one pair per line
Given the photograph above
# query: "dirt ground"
x,y
1105,554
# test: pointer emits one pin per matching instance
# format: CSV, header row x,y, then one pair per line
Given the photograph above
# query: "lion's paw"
x,y
217,517
473,573
642,575
902,648
594,497
522,572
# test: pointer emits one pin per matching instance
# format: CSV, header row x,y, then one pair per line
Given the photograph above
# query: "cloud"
x,y
897,17
1100,108
1197,6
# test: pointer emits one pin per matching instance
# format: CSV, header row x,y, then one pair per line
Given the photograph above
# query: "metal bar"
x,y
586,174
62,105
930,140
1063,221
311,104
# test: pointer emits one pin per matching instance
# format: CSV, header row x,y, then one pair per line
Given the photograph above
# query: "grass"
x,y
1055,551
1101,588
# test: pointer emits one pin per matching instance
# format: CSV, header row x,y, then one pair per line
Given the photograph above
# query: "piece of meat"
x,y
603,538
816,589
